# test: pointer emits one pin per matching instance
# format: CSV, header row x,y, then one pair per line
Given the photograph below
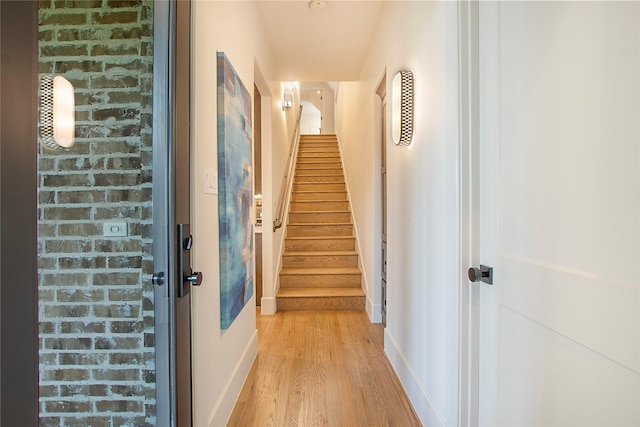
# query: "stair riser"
x,y
333,149
314,154
318,187
318,146
315,196
319,261
318,166
300,245
319,230
319,217
323,172
327,150
316,137
318,206
320,280
338,179
320,303
303,161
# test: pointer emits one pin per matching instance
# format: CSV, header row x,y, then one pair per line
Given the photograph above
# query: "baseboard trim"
x,y
222,411
374,311
268,305
420,399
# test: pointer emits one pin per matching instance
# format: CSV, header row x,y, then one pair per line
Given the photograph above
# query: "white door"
x,y
560,213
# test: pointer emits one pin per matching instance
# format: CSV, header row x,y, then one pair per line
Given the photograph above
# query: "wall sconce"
x,y
402,108
57,112
287,100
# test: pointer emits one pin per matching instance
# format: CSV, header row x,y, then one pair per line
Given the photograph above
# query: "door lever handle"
x,y
195,278
186,276
188,242
481,274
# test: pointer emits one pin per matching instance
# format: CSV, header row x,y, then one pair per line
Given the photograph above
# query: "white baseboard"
x,y
422,402
268,305
374,311
222,411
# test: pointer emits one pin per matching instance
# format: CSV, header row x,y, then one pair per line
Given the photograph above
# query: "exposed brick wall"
x,y
96,297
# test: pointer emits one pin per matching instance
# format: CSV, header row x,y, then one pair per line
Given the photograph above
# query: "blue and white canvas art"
x,y
235,187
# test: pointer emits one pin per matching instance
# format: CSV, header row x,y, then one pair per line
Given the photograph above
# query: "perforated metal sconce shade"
x,y
57,112
402,108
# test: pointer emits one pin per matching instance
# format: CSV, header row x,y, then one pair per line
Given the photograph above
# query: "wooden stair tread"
x,y
320,271
319,175
317,202
322,212
320,292
319,192
319,237
318,253
319,224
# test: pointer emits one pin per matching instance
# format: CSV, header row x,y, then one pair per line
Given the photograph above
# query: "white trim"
x,y
365,283
374,311
224,406
268,305
468,204
378,141
419,398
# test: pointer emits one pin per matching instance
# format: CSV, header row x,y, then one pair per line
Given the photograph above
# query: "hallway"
x,y
524,164
319,368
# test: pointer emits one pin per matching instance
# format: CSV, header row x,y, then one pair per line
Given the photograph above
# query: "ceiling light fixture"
x,y
318,5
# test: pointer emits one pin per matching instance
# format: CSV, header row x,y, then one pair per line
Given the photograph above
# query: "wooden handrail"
x,y
287,180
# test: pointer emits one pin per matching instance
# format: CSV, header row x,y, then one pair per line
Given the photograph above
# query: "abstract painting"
x,y
235,187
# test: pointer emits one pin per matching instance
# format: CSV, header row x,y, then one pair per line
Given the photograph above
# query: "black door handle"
x,y
186,276
481,274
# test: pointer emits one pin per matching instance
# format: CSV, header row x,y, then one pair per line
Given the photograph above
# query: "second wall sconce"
x,y
287,100
402,108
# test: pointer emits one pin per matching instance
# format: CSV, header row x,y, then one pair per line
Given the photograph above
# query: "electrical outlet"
x,y
114,229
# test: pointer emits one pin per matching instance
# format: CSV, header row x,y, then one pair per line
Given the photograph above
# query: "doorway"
x,y
95,260
111,331
382,94
257,188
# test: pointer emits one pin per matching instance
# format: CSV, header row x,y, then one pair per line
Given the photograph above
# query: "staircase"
x,y
320,263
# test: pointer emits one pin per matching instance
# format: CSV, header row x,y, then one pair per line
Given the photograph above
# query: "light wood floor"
x,y
321,368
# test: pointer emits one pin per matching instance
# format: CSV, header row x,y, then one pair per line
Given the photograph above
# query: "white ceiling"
x,y
312,46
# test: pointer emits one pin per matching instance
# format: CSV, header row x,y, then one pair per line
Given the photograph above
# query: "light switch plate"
x,y
210,182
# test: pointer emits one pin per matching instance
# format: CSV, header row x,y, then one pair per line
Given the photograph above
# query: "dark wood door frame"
x,y
18,212
171,207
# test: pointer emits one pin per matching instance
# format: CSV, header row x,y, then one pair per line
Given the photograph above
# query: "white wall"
x,y
222,358
421,338
274,163
323,101
311,119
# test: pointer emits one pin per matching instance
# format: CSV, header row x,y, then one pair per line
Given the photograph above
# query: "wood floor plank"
x,y
321,368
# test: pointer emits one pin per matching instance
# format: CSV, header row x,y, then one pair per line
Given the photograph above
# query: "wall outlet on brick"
x,y
114,229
